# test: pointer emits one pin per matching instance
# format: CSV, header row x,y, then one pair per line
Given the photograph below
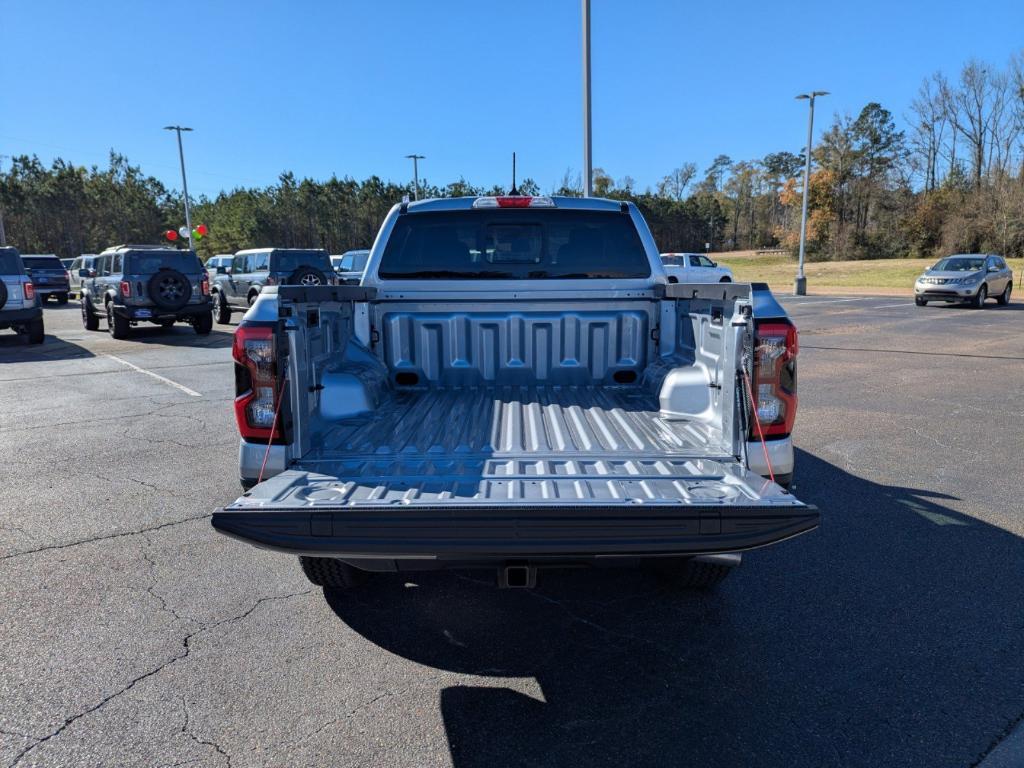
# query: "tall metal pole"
x,y
184,181
588,171
800,283
416,174
3,233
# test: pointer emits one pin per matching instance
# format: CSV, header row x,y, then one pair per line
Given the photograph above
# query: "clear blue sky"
x,y
351,87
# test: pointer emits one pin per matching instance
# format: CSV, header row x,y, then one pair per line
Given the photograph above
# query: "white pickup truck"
x,y
515,384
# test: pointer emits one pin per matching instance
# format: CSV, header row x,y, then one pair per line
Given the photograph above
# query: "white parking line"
x,y
828,301
901,304
156,376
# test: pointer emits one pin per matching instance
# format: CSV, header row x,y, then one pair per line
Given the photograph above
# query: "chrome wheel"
x,y
310,279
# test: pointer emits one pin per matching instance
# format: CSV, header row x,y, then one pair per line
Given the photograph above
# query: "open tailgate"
x,y
441,508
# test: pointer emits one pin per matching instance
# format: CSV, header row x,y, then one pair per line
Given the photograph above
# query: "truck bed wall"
x,y
676,350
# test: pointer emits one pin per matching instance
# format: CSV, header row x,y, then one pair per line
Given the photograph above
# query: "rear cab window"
x,y
524,244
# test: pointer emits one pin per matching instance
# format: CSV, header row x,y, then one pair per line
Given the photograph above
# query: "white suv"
x,y
694,268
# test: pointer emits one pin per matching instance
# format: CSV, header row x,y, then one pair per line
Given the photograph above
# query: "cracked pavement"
x,y
136,636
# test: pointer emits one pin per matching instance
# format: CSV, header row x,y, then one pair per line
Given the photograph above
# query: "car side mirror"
x,y
87,273
714,263
222,270
993,268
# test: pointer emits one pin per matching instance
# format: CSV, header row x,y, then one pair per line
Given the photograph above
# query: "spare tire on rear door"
x,y
3,294
306,275
169,289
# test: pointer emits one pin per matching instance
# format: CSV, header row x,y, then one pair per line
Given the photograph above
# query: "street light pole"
x,y
800,284
416,173
184,182
3,233
588,171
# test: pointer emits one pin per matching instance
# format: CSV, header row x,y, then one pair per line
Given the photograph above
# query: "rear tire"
x,y
62,298
1004,298
203,323
36,332
89,320
118,327
166,324
979,300
693,574
221,310
725,280
920,302
328,572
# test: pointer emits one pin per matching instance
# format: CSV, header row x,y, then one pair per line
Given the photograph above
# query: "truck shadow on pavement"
x,y
891,636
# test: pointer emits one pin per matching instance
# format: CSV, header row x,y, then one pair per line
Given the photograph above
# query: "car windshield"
x,y
10,263
960,264
42,262
289,261
150,263
518,244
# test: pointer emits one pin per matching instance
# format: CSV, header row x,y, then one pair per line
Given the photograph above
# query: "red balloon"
x,y
202,230
170,234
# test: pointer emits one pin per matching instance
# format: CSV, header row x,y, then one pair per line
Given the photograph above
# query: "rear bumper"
x,y
474,534
155,313
47,290
9,317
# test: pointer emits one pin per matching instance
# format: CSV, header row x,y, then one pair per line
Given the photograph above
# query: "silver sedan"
x,y
966,279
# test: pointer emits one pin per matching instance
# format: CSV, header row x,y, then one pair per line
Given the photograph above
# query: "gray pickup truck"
x,y
515,384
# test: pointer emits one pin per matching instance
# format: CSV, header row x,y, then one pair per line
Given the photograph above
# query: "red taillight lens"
x,y
126,288
256,384
514,202
774,383
204,286
30,291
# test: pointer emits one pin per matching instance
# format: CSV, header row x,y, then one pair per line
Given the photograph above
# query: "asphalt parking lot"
x,y
133,635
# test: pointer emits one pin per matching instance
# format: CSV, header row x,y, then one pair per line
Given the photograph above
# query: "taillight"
x,y
256,384
30,291
204,286
774,382
126,289
271,280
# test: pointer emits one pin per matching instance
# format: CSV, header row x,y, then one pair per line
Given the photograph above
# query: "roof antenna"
x,y
513,191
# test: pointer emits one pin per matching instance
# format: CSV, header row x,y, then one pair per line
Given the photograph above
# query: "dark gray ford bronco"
x,y
132,284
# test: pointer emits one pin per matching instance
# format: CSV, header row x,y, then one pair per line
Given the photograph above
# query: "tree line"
x,y
951,179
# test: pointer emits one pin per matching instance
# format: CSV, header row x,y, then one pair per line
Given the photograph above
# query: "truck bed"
x,y
553,444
